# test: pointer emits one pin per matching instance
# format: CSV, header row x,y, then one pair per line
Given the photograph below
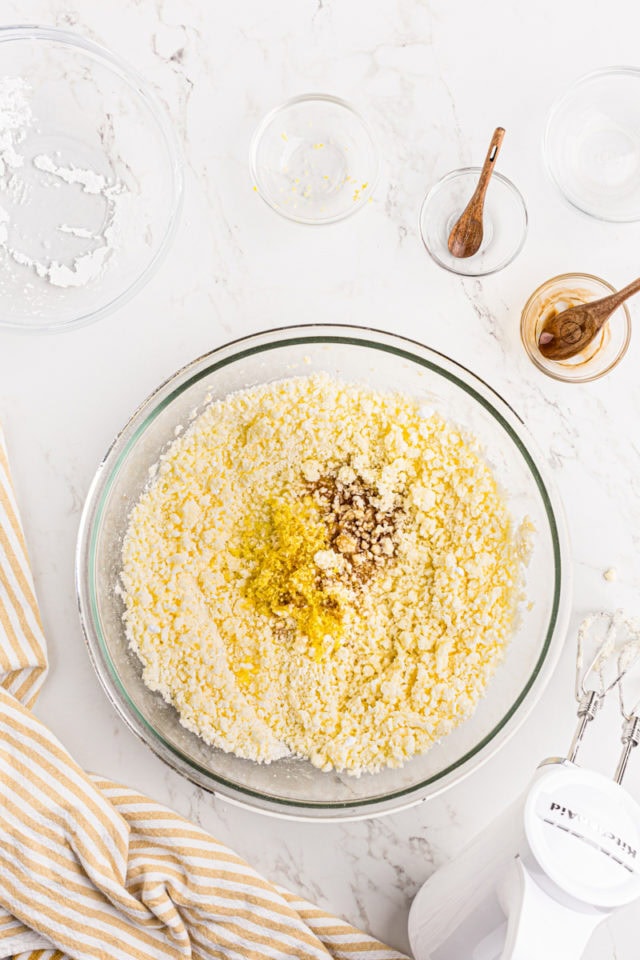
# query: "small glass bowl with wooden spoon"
x,y
592,359
473,222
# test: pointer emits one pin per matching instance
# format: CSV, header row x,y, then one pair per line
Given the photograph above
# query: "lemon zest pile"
x,y
285,579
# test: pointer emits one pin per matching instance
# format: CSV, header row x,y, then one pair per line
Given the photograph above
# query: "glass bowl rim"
x,y
496,175
260,131
124,443
118,65
600,72
557,375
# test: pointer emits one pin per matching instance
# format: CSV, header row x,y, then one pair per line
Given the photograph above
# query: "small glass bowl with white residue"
x,y
314,159
90,180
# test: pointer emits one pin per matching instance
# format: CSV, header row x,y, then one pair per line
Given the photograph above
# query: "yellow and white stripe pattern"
x,y
90,869
23,658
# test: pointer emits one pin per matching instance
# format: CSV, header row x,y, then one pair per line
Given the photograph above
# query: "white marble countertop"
x,y
434,78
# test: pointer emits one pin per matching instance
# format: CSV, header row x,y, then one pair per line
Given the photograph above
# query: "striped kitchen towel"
x,y
90,869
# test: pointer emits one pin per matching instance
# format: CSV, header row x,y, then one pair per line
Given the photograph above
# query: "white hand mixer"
x,y
548,871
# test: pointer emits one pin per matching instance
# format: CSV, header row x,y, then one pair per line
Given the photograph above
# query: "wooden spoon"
x,y
570,331
466,236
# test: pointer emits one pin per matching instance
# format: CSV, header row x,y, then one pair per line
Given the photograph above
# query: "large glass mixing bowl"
x,y
293,787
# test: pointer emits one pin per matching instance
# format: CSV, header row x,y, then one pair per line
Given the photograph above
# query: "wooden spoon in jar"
x,y
570,331
466,236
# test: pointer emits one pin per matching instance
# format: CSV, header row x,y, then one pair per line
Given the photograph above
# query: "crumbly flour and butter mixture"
x,y
322,570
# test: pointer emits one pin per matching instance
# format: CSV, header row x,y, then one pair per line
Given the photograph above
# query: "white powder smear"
x,y
76,231
17,185
4,230
90,181
15,119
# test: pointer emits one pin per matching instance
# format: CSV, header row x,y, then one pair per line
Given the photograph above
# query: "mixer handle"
x,y
539,927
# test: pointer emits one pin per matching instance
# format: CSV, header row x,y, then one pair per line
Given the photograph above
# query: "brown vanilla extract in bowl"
x,y
560,293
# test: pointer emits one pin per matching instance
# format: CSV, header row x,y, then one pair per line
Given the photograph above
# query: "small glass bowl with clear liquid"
x,y
592,144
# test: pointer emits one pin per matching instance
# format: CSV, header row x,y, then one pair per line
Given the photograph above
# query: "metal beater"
x,y
609,645
631,717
